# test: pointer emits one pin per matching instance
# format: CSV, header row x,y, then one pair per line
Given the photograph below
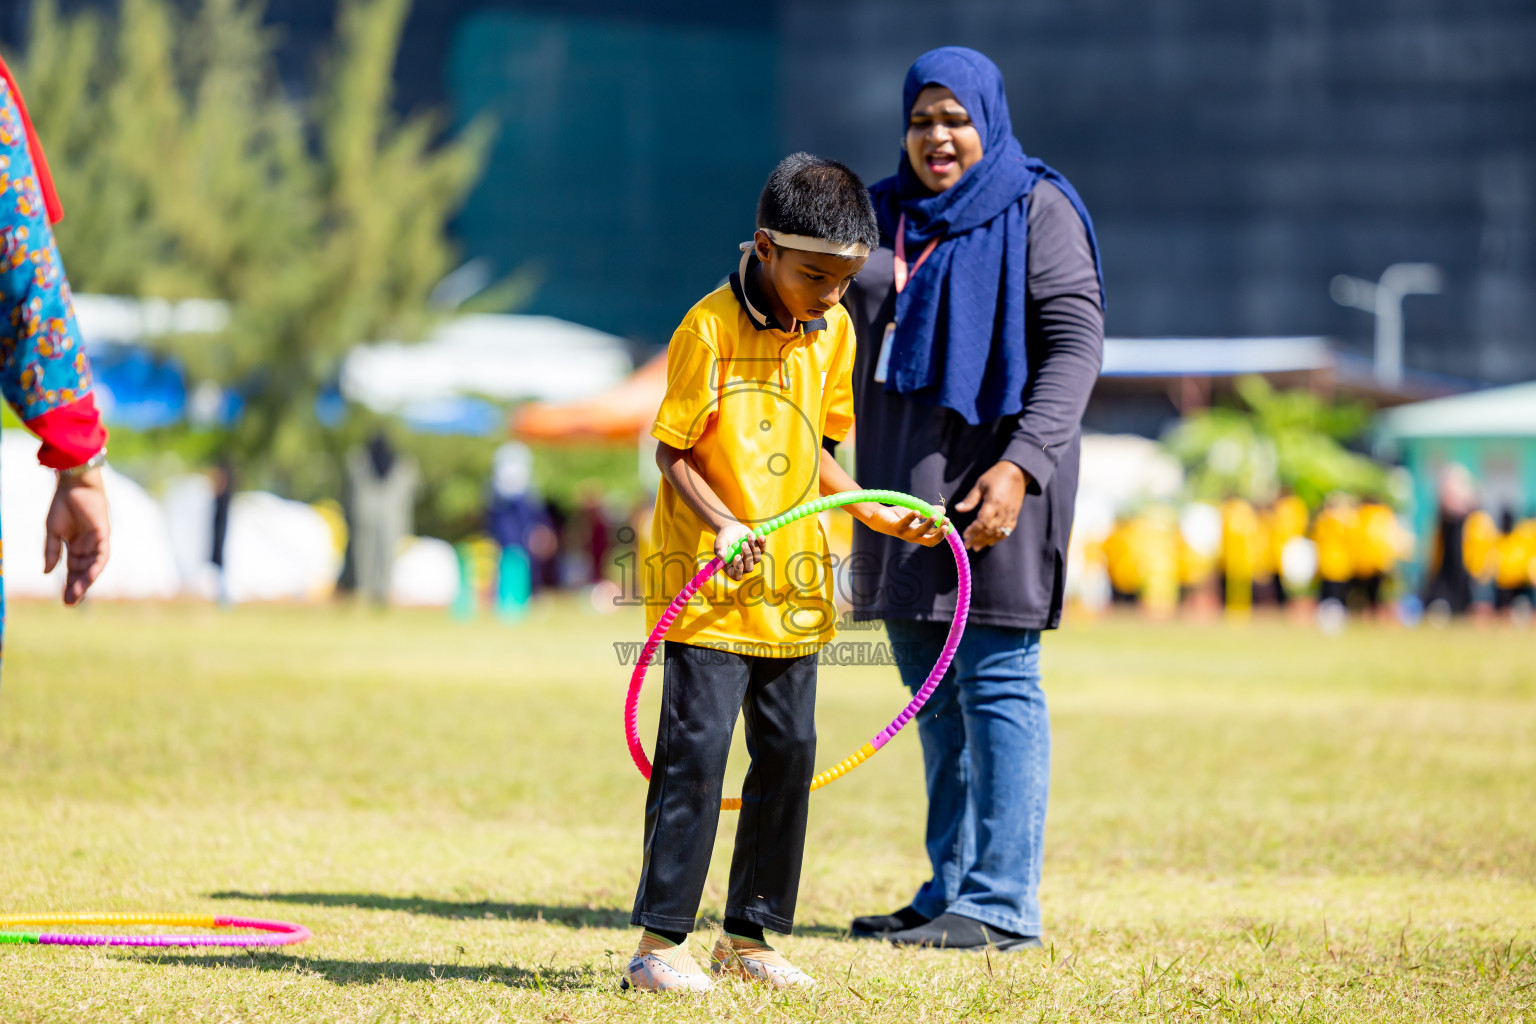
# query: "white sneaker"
x,y
659,966
758,961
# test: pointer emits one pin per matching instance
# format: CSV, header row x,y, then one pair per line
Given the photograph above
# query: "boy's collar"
x,y
758,311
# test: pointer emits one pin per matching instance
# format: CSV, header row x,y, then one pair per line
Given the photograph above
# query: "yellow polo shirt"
x,y
1334,534
752,401
1376,546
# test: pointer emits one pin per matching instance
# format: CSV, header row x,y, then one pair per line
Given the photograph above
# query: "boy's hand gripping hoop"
x,y
810,508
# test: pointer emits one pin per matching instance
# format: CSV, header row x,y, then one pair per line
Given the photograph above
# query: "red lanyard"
x,y
902,273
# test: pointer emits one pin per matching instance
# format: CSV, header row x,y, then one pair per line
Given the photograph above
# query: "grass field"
x,y
1256,823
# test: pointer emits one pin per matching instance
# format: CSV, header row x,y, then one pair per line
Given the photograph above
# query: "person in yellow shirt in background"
x,y
1376,551
1121,559
1199,553
1335,534
1479,545
1243,554
1287,520
1142,556
1159,558
1514,568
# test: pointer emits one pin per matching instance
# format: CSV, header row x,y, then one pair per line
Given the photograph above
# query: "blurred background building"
x,y
1236,156
1252,170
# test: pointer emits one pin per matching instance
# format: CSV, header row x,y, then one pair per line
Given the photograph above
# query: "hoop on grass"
x,y
272,933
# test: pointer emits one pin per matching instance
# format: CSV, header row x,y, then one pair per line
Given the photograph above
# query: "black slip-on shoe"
x,y
878,926
952,931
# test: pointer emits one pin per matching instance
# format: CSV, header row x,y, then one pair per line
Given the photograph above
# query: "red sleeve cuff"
x,y
71,434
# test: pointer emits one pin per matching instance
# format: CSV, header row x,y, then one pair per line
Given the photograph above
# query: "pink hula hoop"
x,y
14,930
885,735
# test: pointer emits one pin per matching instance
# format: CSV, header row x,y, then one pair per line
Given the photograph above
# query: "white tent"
x,y
496,356
1505,412
275,550
1123,469
425,574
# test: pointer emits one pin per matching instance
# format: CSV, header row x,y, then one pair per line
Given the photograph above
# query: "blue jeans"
x,y
987,756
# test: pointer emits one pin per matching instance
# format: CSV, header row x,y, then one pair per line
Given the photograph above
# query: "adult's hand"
x,y
77,520
1000,493
903,524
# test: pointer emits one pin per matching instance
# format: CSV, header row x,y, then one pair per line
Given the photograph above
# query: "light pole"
x,y
1384,298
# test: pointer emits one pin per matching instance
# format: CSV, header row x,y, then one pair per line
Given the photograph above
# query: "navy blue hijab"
x,y
960,338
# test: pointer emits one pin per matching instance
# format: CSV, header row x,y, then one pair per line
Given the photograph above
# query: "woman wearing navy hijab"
x,y
980,333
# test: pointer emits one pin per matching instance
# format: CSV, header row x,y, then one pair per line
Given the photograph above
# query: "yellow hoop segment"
x,y
172,920
843,767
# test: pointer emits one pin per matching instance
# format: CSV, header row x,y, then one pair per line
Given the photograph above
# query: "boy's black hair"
x,y
819,198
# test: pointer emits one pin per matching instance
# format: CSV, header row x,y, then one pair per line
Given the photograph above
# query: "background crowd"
x,y
377,462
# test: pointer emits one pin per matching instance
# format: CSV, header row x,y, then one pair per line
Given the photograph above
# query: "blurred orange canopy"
x,y
622,413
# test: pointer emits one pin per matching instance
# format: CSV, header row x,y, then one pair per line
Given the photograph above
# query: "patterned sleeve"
x,y
44,374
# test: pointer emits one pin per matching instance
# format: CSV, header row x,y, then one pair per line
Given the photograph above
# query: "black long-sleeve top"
x,y
928,451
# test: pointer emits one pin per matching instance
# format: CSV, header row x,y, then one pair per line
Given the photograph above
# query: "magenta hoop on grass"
x,y
272,933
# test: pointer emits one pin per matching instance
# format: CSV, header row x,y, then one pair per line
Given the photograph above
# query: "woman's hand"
x,y
1000,492
751,552
893,522
77,520
905,524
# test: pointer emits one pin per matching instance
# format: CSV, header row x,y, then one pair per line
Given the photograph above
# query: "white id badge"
x,y
883,364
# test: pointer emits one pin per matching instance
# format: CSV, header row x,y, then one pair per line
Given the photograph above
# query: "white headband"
x,y
805,243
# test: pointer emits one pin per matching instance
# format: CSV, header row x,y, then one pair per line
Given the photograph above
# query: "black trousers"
x,y
702,691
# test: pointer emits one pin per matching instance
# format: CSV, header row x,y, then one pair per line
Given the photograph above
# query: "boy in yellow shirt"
x,y
758,384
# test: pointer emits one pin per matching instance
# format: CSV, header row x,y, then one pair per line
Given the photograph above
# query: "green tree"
x,y
1290,439
187,173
